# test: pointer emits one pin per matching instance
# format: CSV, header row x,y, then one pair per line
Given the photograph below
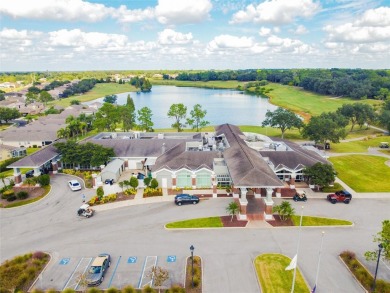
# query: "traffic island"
x,y
194,282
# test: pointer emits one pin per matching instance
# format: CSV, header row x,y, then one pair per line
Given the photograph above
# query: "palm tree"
x,y
284,210
232,209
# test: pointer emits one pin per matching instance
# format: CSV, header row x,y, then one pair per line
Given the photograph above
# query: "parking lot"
x,y
125,270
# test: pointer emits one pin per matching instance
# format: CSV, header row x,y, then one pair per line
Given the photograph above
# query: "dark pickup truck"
x,y
340,196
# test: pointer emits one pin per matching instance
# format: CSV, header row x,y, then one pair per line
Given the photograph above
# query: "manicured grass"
x,y
10,172
28,201
292,134
373,177
4,126
99,90
306,103
357,132
217,84
358,146
317,221
274,278
32,150
212,222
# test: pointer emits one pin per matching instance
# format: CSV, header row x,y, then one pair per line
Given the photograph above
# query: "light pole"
x,y
377,264
192,266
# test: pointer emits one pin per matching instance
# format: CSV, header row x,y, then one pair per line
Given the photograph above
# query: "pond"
x,y
222,106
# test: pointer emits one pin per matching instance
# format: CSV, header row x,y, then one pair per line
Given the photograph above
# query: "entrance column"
x,y
193,181
235,191
268,205
173,181
37,172
214,184
17,177
257,193
292,180
243,204
55,167
278,192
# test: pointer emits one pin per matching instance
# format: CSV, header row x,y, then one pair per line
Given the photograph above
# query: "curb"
x,y
357,281
43,270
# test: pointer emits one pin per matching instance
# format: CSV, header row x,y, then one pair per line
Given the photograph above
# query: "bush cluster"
x,y
22,195
149,192
130,191
7,193
362,275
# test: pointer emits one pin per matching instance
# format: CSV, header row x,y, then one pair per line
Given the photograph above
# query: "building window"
x,y
203,180
184,180
223,180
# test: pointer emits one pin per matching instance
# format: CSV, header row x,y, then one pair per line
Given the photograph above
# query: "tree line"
x,y
355,83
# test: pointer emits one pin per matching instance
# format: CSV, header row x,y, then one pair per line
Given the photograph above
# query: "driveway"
x,y
138,231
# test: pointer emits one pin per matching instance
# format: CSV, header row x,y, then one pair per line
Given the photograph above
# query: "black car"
x,y
30,174
109,181
186,198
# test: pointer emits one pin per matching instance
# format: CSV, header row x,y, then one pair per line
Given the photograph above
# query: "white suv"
x,y
74,185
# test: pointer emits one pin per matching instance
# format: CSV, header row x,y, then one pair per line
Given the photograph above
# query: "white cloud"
x,y
63,10
229,42
264,31
288,45
169,36
173,12
300,30
125,15
373,26
277,12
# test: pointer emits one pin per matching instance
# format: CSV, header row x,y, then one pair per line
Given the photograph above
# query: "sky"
x,y
65,35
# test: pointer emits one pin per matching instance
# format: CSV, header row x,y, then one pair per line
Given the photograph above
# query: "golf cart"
x,y
300,196
85,211
384,145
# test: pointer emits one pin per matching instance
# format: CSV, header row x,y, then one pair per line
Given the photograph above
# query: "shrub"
x,y
22,195
94,290
154,183
176,289
113,290
43,180
147,181
68,290
128,289
100,192
134,182
39,255
130,191
7,193
148,192
148,289
196,282
94,201
11,198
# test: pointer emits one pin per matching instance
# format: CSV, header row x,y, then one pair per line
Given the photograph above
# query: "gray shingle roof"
x,y
37,159
246,166
177,158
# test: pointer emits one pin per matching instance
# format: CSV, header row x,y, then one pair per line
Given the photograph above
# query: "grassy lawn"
x,y
292,134
306,103
359,146
317,221
274,278
100,90
212,222
215,84
374,177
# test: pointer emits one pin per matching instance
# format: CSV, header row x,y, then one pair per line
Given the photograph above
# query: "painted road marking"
x,y
64,261
132,259
75,283
112,277
150,262
171,258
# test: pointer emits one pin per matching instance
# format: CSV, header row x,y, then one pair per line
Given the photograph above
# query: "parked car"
x,y
300,196
98,269
74,185
185,199
384,145
85,211
109,181
30,174
340,196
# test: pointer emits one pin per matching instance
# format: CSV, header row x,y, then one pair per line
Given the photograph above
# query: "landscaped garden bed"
x,y
18,274
86,176
25,194
210,222
193,283
362,275
307,221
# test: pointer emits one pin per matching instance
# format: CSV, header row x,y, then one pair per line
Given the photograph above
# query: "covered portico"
x,y
47,157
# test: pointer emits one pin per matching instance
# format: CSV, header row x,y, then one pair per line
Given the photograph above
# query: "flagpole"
x,y
319,260
296,264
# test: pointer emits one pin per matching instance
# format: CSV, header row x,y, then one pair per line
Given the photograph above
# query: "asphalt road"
x,y
138,231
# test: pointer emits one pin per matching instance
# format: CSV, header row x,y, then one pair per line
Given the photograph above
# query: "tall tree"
x,y
45,97
283,119
178,112
383,239
145,119
7,114
107,117
357,113
110,99
196,121
326,127
320,174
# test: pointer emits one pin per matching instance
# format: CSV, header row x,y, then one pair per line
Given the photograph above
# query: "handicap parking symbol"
x,y
132,259
64,261
171,258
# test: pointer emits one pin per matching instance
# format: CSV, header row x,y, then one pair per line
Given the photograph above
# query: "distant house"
x,y
7,85
32,109
8,152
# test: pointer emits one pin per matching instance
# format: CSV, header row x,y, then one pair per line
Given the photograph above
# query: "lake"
x,y
223,106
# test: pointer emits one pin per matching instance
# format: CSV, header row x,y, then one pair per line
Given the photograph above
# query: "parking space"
x,y
125,270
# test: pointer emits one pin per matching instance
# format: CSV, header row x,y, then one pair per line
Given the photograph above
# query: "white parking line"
x,y
76,282
150,262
